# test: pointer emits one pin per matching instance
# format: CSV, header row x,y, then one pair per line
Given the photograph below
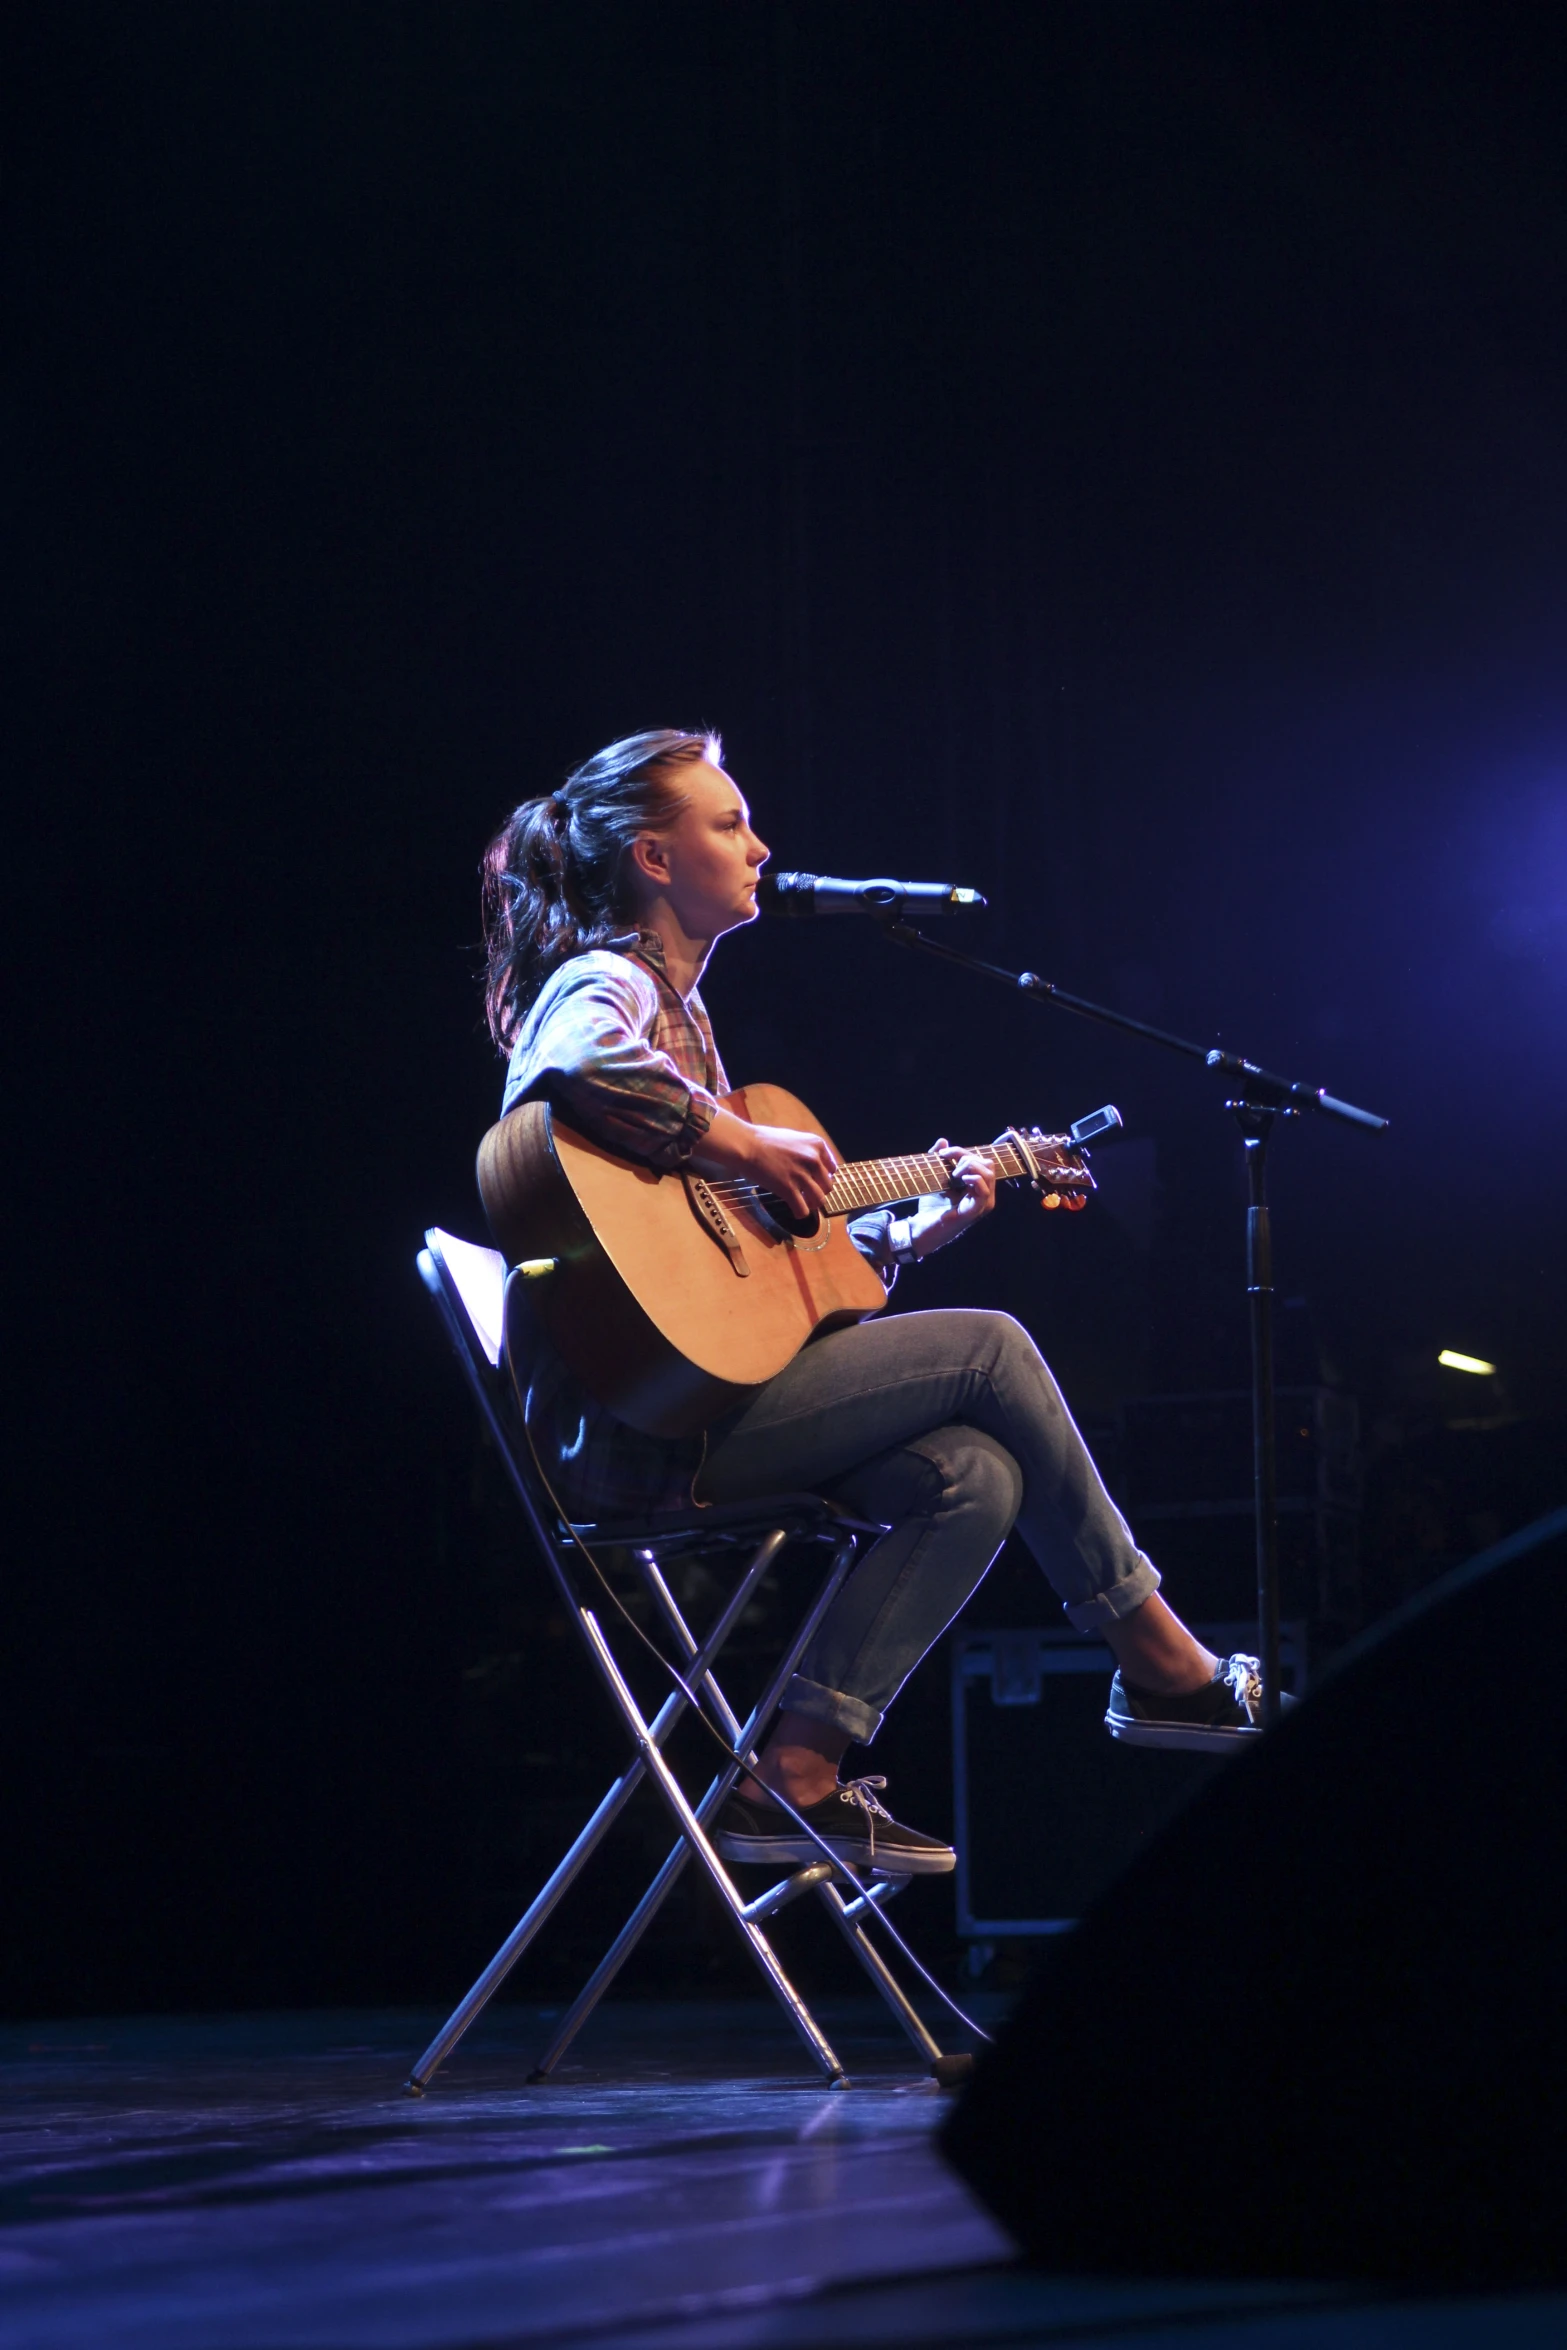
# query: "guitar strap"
x,y
635,952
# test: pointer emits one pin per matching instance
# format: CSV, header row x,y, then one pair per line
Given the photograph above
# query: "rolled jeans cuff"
x,y
850,1714
1108,1607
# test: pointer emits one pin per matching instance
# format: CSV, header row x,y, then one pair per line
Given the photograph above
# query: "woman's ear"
x,y
650,860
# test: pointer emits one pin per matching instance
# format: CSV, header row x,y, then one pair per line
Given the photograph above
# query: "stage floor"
x,y
260,2182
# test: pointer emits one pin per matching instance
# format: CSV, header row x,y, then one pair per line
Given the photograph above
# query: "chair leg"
x,y
877,1968
570,1868
652,1900
845,1912
669,1607
696,1837
536,1915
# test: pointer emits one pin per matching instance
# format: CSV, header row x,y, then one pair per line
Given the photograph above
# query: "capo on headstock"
x,y
1064,1181
1035,1174
1020,1143
1083,1131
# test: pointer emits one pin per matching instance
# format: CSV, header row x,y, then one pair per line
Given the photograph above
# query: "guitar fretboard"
x,y
880,1183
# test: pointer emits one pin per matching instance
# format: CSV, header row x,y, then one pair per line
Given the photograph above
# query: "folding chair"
x,y
493,1332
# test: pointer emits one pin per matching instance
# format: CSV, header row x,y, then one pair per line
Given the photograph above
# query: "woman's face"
x,y
704,867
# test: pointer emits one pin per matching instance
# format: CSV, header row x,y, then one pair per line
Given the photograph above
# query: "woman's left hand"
x,y
971,1193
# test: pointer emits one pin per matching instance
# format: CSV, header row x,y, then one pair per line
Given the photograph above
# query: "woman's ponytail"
x,y
554,875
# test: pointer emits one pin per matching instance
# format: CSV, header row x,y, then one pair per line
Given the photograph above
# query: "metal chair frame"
x,y
765,1527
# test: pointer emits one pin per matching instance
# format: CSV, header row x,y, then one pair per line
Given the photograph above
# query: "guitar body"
x,y
647,1307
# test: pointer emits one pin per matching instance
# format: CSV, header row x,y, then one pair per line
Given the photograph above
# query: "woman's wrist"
x,y
727,1148
930,1228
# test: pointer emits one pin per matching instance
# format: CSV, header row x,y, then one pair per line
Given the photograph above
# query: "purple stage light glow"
x,y
1521,878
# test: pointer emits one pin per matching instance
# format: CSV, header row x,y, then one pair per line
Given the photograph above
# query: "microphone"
x,y
802,896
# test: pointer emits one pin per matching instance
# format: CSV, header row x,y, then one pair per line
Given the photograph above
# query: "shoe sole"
x,y
770,1851
1179,1737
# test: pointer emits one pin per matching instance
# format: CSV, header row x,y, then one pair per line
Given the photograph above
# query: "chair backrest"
x,y
473,1280
469,1287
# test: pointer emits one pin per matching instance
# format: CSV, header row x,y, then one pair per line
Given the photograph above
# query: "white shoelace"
x,y
1244,1675
863,1792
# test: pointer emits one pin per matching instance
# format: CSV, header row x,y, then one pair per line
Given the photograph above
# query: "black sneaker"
x,y
852,1824
1226,1712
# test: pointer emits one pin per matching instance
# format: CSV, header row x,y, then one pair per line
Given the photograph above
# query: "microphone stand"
x,y
1255,1099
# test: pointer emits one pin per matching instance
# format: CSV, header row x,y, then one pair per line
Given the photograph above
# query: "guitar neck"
x,y
881,1183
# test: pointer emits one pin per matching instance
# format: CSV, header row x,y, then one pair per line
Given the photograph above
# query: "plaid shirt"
x,y
629,1061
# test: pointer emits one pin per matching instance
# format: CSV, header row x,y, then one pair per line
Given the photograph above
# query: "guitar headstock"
x,y
1057,1164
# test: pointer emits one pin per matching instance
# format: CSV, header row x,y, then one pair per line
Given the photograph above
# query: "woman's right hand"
x,y
795,1167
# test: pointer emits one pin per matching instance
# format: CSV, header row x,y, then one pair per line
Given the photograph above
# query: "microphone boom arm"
x,y
1256,1086
1258,1097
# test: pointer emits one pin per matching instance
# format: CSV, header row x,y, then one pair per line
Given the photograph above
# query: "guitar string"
x,y
1006,1161
920,1169
872,1175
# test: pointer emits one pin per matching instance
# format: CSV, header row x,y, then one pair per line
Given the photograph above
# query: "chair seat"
x,y
800,1512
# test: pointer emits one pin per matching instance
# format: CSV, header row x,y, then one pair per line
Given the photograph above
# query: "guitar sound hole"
x,y
783,1218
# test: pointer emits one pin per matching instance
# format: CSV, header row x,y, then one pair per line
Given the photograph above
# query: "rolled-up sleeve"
x,y
886,1240
883,1242
588,1050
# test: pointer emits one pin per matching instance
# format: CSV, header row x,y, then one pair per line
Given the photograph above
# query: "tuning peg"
x,y
1051,1199
1076,1201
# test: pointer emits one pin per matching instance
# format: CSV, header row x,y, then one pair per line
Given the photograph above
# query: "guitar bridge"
x,y
712,1215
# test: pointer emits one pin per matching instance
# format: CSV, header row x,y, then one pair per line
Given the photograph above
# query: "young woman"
x,y
603,902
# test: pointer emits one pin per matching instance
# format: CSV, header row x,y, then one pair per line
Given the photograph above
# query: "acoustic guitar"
x,y
673,1297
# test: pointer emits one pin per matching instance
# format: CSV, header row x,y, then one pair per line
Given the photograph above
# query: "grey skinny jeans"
x,y
949,1428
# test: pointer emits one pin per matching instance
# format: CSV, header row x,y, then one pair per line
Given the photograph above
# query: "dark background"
x,y
1114,455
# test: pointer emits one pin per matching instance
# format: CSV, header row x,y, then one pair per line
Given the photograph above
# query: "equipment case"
x,y
1047,1806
